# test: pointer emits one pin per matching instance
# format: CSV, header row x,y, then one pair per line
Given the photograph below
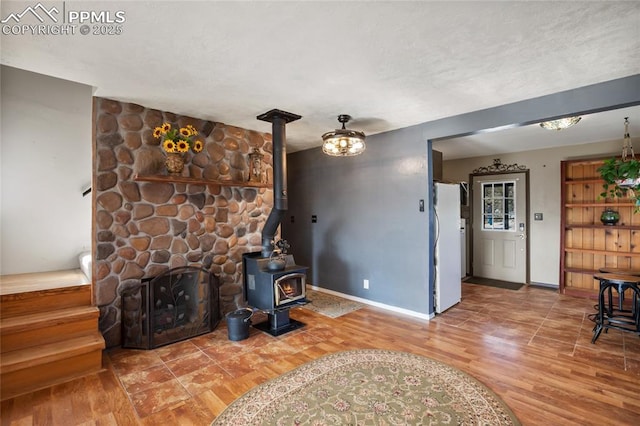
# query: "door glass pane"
x,y
510,190
498,222
498,206
510,210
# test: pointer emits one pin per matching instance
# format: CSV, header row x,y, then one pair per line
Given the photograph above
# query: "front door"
x,y
500,227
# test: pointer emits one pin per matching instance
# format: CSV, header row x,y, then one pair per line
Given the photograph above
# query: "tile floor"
x,y
159,378
543,319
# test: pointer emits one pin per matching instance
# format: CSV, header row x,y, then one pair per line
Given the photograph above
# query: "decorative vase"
x,y
609,216
174,163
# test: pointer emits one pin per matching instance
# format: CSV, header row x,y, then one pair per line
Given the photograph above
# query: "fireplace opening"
x,y
289,288
179,304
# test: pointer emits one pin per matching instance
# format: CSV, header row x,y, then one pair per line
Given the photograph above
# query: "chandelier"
x,y
560,124
343,142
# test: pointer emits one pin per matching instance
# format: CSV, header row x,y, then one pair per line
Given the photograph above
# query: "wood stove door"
x,y
289,288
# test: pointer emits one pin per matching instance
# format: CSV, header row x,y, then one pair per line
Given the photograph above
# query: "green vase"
x,y
609,216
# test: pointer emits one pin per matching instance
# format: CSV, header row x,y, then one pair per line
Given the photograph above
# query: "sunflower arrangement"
x,y
178,141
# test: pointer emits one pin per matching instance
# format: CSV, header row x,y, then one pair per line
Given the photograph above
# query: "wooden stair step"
x,y
33,302
38,281
47,327
34,356
27,370
48,331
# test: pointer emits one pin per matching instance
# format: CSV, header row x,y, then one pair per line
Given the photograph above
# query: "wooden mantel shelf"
x,y
197,181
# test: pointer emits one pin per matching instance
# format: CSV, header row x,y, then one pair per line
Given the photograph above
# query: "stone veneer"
x,y
142,229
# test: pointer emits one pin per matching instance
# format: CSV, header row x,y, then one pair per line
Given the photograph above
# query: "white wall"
x,y
46,160
544,186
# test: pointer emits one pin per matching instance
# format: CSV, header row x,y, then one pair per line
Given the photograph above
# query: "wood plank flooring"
x,y
532,347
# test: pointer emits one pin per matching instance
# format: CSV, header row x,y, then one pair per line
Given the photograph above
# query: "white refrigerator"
x,y
448,278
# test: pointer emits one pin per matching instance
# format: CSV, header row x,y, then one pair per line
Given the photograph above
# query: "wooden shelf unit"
x,y
198,181
585,243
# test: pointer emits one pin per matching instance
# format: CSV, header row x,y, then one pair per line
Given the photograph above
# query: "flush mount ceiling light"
x,y
560,124
343,142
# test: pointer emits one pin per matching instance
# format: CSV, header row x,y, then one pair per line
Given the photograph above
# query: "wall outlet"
x,y
366,284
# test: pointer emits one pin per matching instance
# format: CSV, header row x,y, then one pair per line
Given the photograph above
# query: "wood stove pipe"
x,y
278,120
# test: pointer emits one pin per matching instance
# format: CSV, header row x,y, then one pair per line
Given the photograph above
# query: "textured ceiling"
x,y
603,126
387,64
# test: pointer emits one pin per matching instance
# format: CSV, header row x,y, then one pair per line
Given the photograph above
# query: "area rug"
x,y
370,387
330,305
494,283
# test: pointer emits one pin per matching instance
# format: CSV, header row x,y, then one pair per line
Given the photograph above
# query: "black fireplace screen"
x,y
176,305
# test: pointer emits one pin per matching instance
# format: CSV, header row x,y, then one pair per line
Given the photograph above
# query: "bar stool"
x,y
619,271
620,319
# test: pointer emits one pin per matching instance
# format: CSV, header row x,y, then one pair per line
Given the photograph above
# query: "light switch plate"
x,y
537,216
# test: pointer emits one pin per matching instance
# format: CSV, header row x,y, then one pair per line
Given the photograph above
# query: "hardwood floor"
x,y
532,347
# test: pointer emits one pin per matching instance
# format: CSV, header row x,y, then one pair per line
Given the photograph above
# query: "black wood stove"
x,y
275,290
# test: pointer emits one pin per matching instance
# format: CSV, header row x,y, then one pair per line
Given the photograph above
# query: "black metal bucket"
x,y
238,323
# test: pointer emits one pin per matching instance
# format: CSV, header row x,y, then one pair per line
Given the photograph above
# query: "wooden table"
x,y
621,271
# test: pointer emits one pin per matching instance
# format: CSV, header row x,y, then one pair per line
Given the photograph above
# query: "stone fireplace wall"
x,y
142,229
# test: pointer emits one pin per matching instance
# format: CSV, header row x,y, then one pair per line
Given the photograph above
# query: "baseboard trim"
x,y
547,285
384,306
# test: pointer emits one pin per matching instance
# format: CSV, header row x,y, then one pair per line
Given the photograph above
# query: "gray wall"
x,y
369,226
46,163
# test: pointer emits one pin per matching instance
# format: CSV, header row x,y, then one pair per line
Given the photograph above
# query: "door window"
x,y
499,206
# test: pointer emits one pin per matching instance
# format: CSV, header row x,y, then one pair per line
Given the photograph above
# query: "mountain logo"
x,y
38,11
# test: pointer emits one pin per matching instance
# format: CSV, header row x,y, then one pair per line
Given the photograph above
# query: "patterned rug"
x,y
329,305
370,387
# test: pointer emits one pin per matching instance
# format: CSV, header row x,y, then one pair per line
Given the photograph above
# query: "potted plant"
x,y
621,179
176,142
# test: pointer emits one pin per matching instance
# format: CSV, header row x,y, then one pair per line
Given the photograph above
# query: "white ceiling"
x,y
603,126
387,64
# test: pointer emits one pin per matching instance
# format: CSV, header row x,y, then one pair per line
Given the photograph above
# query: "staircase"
x,y
48,331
